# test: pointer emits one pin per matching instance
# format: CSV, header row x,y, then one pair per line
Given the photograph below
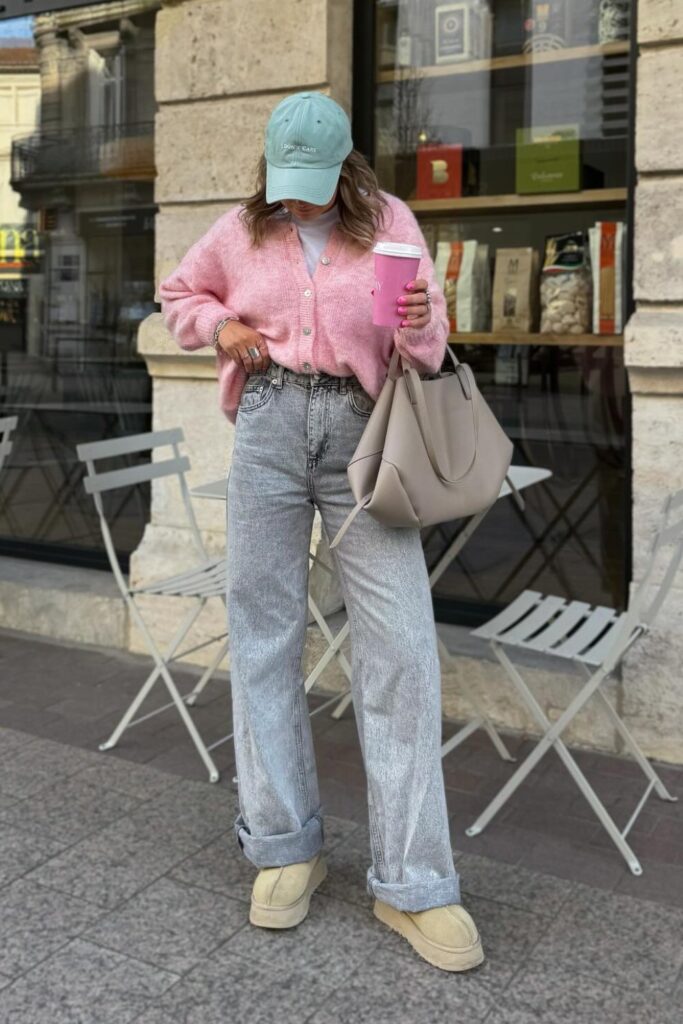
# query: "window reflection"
x,y
505,125
76,265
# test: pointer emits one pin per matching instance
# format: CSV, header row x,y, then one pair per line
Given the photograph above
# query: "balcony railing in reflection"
x,y
105,151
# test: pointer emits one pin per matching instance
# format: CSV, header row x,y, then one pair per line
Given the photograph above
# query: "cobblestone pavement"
x,y
124,896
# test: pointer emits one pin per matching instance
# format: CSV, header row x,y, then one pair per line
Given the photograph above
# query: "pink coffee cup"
x,y
396,264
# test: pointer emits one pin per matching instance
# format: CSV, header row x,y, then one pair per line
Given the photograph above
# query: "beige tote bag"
x,y
432,450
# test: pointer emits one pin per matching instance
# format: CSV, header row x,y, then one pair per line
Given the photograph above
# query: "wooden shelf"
x,y
561,340
491,64
464,204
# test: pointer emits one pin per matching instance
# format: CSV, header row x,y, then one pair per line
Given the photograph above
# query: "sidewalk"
x,y
124,897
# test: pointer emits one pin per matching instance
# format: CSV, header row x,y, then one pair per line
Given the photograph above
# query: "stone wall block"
x,y
211,48
209,153
657,470
660,21
659,141
179,227
652,688
659,240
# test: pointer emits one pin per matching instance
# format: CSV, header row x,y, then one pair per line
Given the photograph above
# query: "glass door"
x,y
506,125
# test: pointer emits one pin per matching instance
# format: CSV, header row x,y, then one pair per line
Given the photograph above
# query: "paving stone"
x,y
12,739
84,983
7,802
125,777
70,810
192,813
21,853
516,886
591,865
35,922
661,883
627,941
112,865
347,866
220,867
331,943
555,994
41,763
228,987
337,830
171,925
382,992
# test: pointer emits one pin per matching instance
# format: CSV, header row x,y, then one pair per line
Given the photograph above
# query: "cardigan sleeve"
x,y
424,347
191,296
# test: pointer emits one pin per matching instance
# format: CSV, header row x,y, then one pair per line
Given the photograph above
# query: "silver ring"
x,y
253,352
429,297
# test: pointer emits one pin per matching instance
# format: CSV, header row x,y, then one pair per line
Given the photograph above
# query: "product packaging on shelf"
x,y
566,285
607,252
615,20
514,291
548,159
462,31
556,24
439,171
462,269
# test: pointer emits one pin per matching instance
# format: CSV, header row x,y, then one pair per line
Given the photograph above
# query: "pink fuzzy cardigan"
x,y
324,320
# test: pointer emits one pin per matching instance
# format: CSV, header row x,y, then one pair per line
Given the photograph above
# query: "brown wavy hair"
x,y
361,215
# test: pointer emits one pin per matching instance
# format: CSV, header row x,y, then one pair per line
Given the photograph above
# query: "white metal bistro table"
x,y
521,477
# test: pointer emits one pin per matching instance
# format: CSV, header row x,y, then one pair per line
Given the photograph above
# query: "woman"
x,y
281,286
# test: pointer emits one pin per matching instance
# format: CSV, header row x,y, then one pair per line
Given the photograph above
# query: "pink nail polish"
x,y
401,309
409,286
405,323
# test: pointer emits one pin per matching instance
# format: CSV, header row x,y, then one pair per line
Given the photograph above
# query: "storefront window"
x,y
76,266
506,126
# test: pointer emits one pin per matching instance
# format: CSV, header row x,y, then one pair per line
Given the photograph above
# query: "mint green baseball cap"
x,y
308,137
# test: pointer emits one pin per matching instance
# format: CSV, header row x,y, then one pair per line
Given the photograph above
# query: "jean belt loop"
x,y
279,376
343,384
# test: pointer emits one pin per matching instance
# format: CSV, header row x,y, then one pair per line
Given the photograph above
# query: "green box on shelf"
x,y
548,159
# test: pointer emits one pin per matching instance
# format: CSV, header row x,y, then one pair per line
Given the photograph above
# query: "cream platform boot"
x,y
281,896
445,937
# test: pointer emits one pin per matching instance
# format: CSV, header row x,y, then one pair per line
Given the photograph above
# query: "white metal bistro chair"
x,y
204,580
7,425
596,639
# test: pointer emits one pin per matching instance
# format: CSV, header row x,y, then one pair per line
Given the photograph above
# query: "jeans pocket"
x,y
360,401
256,391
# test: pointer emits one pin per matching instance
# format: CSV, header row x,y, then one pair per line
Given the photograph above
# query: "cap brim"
x,y
309,185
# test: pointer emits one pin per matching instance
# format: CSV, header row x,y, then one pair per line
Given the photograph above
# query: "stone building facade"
x,y
221,66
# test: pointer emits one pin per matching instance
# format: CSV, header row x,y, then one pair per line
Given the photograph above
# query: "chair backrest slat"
x,y
669,536
8,423
135,474
126,445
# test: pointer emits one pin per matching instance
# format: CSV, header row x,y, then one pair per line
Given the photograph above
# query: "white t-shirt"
x,y
315,233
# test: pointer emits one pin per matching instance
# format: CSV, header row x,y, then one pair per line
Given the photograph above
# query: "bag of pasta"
x,y
566,288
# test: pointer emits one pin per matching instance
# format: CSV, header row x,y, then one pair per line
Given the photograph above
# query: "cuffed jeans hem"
x,y
286,848
417,896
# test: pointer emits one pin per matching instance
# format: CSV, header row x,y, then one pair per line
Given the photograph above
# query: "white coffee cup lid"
x,y
398,249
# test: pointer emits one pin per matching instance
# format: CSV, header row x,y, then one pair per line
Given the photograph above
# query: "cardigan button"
x,y
307,330
325,260
308,293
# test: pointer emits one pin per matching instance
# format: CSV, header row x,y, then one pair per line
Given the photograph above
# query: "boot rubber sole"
x,y
264,916
446,958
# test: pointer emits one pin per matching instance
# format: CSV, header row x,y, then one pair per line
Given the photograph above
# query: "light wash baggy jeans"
x,y
295,434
